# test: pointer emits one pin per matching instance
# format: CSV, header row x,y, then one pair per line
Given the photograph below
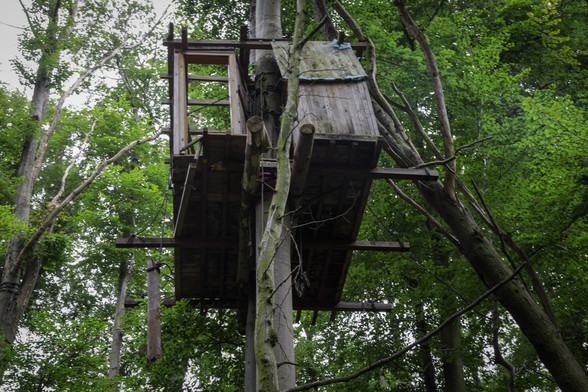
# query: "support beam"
x,y
200,102
232,242
302,155
338,307
376,173
256,43
180,106
199,78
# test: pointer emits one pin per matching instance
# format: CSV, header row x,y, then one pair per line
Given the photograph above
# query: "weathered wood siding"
x,y
343,108
334,96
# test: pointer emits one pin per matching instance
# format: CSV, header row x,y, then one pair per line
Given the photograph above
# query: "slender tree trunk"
x,y
274,250
498,358
450,335
125,272
425,351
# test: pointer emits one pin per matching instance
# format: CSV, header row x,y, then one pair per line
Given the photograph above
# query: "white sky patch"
x,y
12,23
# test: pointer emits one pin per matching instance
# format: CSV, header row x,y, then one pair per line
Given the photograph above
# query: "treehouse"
x,y
214,261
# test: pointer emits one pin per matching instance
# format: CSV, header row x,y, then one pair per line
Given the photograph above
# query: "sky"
x,y
12,20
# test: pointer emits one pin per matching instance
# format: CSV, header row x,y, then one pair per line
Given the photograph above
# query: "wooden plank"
x,y
255,43
338,307
302,155
234,97
232,242
199,78
201,102
375,173
153,313
179,107
208,57
187,243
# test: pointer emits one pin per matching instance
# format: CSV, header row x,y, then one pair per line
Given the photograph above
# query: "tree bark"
x,y
321,11
425,350
12,271
274,288
498,358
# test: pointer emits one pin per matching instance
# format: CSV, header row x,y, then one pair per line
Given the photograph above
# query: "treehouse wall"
x,y
333,92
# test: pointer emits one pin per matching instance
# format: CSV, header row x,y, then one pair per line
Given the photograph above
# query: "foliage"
x,y
512,70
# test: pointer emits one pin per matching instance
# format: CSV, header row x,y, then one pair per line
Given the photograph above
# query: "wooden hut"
x,y
207,166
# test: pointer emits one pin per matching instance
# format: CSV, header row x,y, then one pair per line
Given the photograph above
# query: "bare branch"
x,y
314,31
423,211
28,16
54,212
400,353
53,201
439,95
498,358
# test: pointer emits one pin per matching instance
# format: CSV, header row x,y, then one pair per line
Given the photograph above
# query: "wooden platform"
x,y
207,168
333,204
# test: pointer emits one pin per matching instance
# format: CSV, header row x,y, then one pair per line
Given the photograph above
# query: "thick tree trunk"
x,y
451,357
12,272
274,288
475,246
491,269
267,78
10,286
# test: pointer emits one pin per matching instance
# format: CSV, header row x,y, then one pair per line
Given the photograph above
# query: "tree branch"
x,y
498,358
47,134
505,237
53,201
54,212
398,354
423,211
439,96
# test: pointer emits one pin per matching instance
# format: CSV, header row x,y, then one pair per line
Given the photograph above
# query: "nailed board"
x,y
337,108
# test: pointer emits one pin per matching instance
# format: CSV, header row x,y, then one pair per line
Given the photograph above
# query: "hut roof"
x,y
322,61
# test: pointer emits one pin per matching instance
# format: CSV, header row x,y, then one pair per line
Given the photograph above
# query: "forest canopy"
x,y
74,178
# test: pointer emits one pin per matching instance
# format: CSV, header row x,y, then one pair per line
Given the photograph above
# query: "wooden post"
x,y
179,104
153,313
258,142
302,155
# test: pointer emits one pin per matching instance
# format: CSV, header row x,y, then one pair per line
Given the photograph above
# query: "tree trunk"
x,y
475,246
425,350
491,269
451,357
450,335
267,78
274,250
321,11
125,272
11,308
